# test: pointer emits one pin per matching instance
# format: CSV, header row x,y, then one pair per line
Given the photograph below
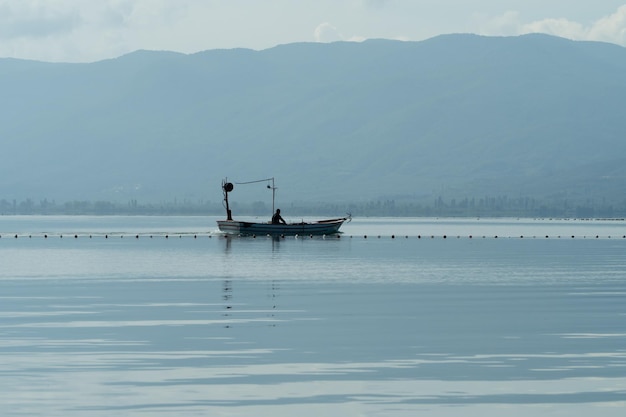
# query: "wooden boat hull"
x,y
322,227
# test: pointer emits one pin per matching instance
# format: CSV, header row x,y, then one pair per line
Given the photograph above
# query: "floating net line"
x,y
220,235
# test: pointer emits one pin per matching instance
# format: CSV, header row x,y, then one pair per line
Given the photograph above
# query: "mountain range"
x,y
455,116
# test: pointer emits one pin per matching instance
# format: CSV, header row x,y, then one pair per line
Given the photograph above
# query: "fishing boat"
x,y
245,228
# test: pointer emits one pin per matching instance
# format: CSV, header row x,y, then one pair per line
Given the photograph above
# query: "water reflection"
x,y
275,243
227,296
227,243
307,327
273,294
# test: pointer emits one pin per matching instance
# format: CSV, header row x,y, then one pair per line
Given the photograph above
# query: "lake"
x,y
147,316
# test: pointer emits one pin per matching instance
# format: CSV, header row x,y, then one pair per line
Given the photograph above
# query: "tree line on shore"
x,y
500,206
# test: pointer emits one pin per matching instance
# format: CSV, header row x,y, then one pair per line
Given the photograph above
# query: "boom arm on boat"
x,y
227,187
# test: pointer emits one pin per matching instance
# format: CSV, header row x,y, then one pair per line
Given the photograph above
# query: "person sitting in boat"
x,y
277,218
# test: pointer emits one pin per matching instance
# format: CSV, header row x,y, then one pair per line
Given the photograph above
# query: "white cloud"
x,y
558,27
91,30
35,18
611,28
71,30
325,32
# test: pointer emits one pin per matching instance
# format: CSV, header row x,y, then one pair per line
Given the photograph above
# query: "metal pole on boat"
x,y
227,187
273,195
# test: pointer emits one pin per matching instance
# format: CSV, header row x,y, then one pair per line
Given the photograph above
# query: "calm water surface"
x,y
163,316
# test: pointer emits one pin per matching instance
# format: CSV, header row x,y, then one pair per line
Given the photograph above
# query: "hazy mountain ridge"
x,y
456,115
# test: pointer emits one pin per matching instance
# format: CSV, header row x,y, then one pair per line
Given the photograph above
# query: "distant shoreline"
x,y
483,207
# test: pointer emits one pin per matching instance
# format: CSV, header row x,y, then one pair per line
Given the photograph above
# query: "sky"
x,y
93,30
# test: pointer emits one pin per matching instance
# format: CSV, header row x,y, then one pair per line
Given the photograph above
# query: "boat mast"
x,y
226,188
273,194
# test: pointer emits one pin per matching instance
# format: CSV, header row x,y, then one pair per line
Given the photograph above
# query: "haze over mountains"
x,y
455,116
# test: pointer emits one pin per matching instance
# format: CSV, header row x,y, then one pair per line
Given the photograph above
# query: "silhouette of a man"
x,y
277,218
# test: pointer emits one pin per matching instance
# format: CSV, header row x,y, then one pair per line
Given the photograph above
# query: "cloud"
x,y
36,18
325,32
558,27
83,31
611,28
